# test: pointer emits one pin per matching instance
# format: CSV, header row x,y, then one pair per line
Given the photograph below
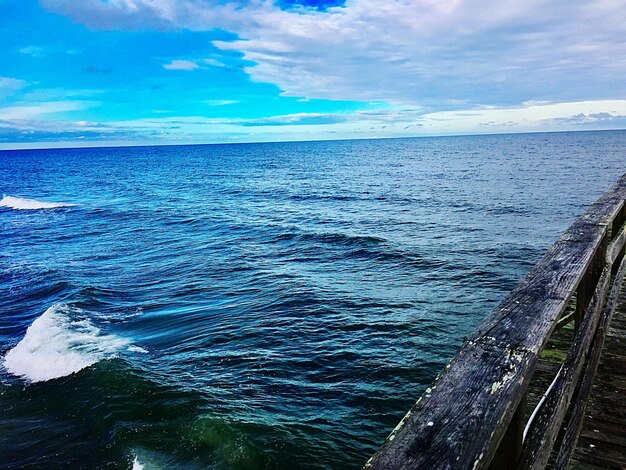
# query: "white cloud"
x,y
215,63
220,102
605,114
427,51
181,65
184,64
431,52
397,121
50,94
9,86
38,110
401,121
33,51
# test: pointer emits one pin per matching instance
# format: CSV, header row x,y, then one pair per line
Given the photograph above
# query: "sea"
x,y
260,306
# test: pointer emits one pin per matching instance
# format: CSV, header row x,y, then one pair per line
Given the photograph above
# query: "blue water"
x,y
260,305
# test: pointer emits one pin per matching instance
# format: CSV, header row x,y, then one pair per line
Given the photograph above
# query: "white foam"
x,y
137,349
148,459
21,203
58,344
137,465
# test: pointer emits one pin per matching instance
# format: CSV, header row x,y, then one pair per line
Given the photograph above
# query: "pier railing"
x,y
473,416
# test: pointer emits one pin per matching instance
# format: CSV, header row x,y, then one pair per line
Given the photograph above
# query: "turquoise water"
x,y
260,305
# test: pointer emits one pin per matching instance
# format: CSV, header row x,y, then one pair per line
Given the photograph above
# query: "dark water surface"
x,y
260,305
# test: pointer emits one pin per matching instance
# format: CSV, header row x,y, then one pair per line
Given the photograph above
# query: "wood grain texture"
x,y
617,246
572,428
602,441
547,424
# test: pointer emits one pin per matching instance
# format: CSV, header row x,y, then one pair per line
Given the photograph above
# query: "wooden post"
x,y
618,221
510,448
617,224
588,283
583,297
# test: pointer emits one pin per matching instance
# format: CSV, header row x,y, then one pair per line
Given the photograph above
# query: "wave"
x,y
21,203
60,342
329,238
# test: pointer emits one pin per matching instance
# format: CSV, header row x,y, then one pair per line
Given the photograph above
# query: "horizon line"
x,y
191,144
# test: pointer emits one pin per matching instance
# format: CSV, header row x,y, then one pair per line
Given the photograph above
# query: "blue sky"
x,y
125,72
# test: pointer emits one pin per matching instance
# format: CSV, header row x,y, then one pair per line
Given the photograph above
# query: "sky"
x,y
143,72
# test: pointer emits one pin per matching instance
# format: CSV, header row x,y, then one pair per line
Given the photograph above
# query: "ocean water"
x,y
260,305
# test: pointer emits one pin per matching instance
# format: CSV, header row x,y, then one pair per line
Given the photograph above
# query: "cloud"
x,y
299,119
405,121
181,65
428,52
590,119
221,102
33,51
50,94
9,86
213,62
128,14
436,53
34,130
529,117
37,110
29,124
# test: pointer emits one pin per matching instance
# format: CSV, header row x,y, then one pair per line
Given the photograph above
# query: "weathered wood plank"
x,y
579,465
549,368
549,364
618,220
612,410
510,447
600,453
605,431
565,320
617,246
546,426
572,428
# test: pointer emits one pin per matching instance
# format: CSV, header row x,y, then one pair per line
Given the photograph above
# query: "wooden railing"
x,y
473,416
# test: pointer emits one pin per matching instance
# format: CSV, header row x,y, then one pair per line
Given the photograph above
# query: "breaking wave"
x,y
60,342
21,203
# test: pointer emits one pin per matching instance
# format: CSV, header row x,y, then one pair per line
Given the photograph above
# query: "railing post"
x,y
510,448
617,224
583,297
618,221
589,281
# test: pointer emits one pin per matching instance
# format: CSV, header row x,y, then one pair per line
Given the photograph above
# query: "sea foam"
x,y
21,203
58,343
137,465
